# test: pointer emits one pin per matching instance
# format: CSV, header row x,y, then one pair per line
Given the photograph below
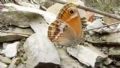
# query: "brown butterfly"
x,y
67,29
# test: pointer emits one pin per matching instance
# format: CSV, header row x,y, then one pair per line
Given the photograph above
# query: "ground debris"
x,y
23,34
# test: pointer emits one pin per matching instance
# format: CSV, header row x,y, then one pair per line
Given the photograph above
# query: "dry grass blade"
x,y
104,26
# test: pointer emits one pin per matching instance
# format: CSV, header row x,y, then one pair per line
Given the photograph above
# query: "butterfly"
x,y
67,28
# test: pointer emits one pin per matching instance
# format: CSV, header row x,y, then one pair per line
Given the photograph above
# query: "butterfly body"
x,y
68,27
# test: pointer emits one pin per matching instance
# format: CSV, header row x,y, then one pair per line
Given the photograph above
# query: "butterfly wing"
x,y
70,15
55,30
67,27
60,33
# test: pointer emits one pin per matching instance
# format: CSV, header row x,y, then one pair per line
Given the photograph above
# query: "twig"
x,y
93,10
104,26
